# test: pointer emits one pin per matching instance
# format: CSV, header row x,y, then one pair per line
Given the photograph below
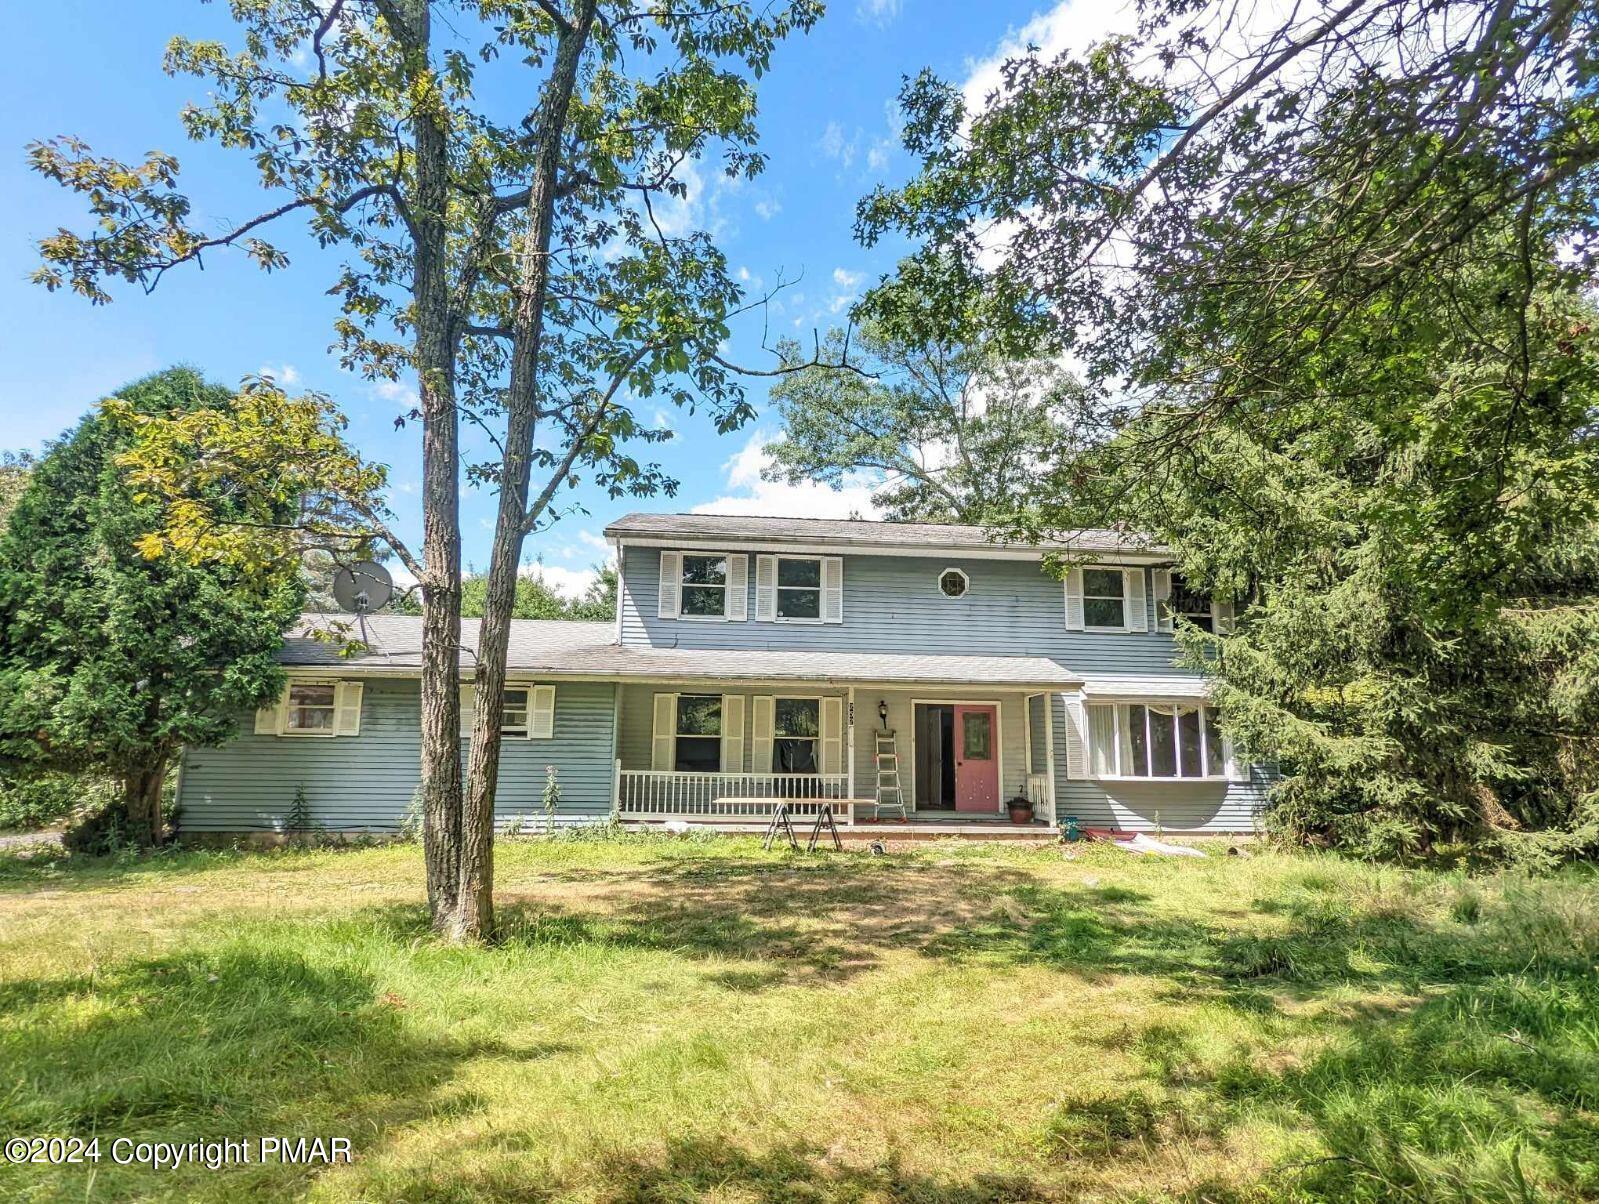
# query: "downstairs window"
x,y
1153,740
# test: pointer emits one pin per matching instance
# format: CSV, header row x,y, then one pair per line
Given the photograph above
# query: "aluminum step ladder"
x,y
890,797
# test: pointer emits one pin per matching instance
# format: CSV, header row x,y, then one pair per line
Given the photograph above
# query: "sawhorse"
x,y
782,821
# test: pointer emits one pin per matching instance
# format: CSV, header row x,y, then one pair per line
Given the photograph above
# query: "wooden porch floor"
x,y
941,827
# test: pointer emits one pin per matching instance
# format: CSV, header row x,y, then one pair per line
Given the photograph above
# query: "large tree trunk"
x,y
441,529
141,797
476,903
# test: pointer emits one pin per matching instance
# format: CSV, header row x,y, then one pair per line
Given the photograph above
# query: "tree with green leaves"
x,y
948,433
112,662
1326,271
527,262
535,599
15,468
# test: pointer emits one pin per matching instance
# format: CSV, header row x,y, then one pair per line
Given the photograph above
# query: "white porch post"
x,y
849,742
1050,701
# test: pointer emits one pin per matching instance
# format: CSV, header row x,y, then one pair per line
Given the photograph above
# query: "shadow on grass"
x,y
230,1041
696,1170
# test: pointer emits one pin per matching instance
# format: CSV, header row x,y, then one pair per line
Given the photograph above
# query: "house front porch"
x,y
728,755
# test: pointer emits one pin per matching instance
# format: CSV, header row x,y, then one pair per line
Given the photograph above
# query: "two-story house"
x,y
761,659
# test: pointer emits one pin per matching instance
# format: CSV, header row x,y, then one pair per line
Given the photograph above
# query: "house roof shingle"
x,y
568,649
836,532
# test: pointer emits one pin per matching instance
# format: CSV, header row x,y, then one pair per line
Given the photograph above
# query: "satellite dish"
x,y
362,588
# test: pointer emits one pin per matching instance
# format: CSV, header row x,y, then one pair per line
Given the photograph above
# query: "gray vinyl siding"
x,y
638,717
893,604
1012,736
1146,806
366,782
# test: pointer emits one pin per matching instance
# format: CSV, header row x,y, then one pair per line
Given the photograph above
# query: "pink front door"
x,y
976,759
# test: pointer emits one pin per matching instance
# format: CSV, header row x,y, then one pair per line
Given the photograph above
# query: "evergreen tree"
x,y
110,661
1325,268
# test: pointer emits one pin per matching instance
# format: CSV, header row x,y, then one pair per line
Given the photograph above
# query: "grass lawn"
x,y
674,1021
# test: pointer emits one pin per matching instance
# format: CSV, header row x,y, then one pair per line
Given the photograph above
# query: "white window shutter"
x,y
1076,738
468,708
1074,599
347,708
269,720
732,733
765,590
832,735
541,720
671,590
1163,615
763,721
738,587
1134,601
663,744
832,589
1221,616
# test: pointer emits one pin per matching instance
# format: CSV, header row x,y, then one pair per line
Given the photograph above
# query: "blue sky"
x,y
827,123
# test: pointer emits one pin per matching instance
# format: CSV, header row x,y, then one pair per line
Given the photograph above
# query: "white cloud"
x,y
833,145
570,582
681,215
877,12
1070,25
766,209
877,156
286,375
402,394
845,278
748,493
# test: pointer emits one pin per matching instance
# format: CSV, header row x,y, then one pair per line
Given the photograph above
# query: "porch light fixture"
x,y
882,713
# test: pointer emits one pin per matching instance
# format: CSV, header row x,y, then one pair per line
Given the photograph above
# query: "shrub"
x,y
31,803
98,826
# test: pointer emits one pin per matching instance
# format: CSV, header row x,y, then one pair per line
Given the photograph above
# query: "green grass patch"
x,y
668,1020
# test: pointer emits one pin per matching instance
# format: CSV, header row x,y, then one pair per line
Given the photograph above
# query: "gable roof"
x,y
561,649
841,532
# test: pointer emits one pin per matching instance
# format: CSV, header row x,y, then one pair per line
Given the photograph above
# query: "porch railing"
x,y
1040,790
651,794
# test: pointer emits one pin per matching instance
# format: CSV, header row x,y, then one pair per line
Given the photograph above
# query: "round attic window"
x,y
953,583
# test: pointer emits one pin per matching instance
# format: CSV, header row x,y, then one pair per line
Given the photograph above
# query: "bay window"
x,y
1154,740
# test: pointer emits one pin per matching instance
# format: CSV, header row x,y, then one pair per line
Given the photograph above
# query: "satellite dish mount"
x,y
362,588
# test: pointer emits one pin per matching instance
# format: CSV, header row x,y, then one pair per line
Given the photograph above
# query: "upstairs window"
x,y
1188,603
799,588
1104,598
1134,740
953,583
796,734
699,733
704,586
